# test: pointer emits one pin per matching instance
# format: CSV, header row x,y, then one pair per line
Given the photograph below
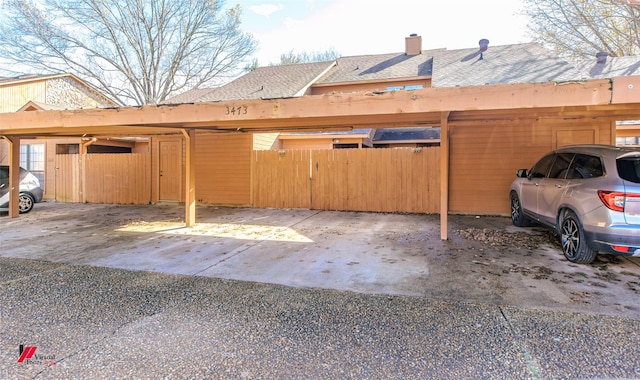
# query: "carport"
x,y
568,104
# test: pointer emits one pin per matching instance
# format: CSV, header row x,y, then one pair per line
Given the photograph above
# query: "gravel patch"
x,y
109,323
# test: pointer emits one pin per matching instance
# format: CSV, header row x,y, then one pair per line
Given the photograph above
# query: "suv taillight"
x,y
615,199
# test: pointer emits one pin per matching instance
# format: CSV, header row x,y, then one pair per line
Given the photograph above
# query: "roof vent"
x,y
601,57
484,44
413,44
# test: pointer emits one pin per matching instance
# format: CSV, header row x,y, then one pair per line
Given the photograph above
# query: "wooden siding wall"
x,y
223,168
15,96
103,178
484,159
380,180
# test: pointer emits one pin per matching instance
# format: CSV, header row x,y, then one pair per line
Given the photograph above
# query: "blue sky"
x,y
358,27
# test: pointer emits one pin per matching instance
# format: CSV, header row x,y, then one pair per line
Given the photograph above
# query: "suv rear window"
x,y
585,166
629,168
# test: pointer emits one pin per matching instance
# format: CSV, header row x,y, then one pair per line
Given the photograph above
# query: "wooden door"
x,y
170,170
587,135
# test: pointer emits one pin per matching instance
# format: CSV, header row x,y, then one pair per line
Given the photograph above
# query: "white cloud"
x,y
266,10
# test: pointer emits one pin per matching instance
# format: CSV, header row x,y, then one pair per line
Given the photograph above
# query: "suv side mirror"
x,y
522,173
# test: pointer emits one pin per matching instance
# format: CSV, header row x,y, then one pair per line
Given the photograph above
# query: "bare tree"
x,y
305,57
581,28
134,51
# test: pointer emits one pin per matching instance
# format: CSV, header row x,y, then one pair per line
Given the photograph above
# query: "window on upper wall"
x,y
67,148
408,87
32,158
622,141
345,146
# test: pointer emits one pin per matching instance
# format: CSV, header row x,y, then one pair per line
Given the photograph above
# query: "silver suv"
x,y
588,194
30,190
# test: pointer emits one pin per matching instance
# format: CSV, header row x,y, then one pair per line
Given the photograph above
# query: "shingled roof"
x,y
516,63
381,67
521,63
268,82
610,67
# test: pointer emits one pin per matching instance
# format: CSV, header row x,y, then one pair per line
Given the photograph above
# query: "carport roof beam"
x,y
337,110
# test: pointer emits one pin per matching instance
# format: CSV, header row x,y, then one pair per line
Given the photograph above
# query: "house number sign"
x,y
237,111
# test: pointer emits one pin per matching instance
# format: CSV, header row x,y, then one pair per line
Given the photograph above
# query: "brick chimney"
x,y
413,44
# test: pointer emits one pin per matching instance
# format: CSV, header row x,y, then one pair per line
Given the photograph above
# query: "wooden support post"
x,y
84,145
189,178
14,175
444,175
614,126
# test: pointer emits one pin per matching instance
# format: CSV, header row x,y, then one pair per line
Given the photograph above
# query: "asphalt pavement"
x,y
80,309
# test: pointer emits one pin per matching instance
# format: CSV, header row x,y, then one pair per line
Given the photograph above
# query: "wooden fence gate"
x,y
381,180
103,178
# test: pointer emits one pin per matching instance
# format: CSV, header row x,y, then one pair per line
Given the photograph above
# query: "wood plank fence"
x,y
380,180
103,178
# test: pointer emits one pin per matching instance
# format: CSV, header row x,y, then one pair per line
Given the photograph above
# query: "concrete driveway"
x,y
486,260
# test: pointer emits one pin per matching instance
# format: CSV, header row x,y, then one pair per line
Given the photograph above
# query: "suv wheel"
x,y
574,244
25,203
517,216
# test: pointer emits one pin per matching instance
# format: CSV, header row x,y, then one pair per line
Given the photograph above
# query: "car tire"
x,y
25,203
574,244
517,215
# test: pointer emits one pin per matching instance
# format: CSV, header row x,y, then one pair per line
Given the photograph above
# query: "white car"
x,y
30,190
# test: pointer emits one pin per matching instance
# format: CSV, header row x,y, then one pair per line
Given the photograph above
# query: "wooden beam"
x,y
189,178
444,176
626,89
423,105
14,176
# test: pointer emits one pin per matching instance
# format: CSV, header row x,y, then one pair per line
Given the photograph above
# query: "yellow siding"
x,y
266,141
14,97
